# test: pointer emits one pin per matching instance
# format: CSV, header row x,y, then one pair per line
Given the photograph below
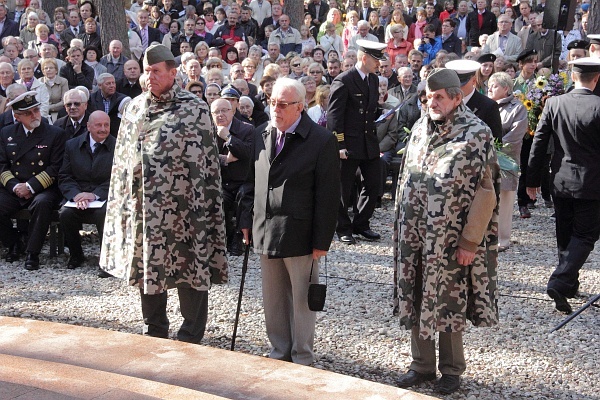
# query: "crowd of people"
x,y
227,126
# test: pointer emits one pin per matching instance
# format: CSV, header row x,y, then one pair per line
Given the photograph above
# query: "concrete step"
x,y
44,360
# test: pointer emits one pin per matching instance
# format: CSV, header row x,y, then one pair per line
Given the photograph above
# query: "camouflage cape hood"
x,y
164,222
441,174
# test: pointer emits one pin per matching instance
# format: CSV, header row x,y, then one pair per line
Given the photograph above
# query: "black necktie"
x,y
367,83
96,148
75,126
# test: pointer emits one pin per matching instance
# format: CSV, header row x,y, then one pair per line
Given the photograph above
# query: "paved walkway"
x,y
43,360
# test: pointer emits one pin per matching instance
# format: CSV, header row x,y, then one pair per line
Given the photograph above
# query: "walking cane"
x,y
239,304
576,313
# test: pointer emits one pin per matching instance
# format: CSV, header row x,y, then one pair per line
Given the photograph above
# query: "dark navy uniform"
x,y
35,160
351,116
572,120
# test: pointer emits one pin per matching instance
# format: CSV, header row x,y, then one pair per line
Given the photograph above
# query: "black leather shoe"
x,y
14,253
369,235
413,378
448,384
524,211
32,263
75,261
347,239
561,301
103,274
236,247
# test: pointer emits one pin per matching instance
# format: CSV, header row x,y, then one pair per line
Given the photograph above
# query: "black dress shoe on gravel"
x,y
448,384
75,262
103,274
561,301
413,378
524,212
14,253
347,239
369,235
236,247
32,263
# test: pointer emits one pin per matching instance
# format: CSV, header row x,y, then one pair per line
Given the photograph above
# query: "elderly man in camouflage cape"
x,y
164,223
446,234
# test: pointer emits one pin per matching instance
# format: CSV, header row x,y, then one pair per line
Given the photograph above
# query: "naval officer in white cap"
x,y
572,120
353,109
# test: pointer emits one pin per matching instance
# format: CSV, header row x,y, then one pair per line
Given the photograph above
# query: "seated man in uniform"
x,y
84,178
31,153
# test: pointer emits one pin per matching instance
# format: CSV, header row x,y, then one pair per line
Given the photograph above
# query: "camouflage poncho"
x,y
441,174
164,222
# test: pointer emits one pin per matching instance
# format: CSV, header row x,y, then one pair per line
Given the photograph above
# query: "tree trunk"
x,y
113,25
295,10
594,18
50,5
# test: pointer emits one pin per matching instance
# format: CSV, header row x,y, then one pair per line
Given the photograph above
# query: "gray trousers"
x,y
452,355
194,309
290,324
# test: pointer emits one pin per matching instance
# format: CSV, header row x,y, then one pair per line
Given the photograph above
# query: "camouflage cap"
x,y
157,53
442,78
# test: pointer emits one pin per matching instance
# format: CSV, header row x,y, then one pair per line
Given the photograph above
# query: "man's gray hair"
x,y
76,92
503,79
185,57
403,70
362,23
293,84
102,77
15,90
452,92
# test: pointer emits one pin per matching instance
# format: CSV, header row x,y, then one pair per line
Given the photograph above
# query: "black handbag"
x,y
316,291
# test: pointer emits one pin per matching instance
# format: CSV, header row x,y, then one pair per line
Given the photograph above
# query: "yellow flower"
x,y
528,104
540,83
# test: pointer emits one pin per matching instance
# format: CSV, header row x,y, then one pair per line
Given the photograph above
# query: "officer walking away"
x,y
572,120
353,109
31,153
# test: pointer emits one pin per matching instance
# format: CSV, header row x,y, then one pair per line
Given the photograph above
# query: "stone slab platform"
x,y
44,360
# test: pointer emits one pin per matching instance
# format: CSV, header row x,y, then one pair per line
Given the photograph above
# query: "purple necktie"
x,y
279,143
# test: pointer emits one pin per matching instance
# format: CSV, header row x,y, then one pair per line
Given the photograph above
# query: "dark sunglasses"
x,y
75,104
196,91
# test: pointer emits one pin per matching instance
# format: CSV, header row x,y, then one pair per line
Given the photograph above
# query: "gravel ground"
x,y
357,335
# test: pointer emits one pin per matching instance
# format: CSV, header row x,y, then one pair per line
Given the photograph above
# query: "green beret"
x,y
442,78
157,53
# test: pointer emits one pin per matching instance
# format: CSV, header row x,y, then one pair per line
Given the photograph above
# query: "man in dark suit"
x,y
479,22
276,12
84,178
296,177
31,152
234,140
450,42
318,10
542,41
129,85
485,108
107,99
572,120
75,122
72,31
365,10
353,109
9,28
147,34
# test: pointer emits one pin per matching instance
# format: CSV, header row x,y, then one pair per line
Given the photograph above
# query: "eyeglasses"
x,y
196,91
74,104
208,15
215,66
281,104
296,65
219,112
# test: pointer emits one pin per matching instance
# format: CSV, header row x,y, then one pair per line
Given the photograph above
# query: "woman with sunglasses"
x,y
196,88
